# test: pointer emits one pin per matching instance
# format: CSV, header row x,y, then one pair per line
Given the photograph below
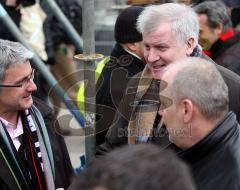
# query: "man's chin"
x,y
157,74
27,102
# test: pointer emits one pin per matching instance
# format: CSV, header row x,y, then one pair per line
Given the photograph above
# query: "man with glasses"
x,y
32,155
23,82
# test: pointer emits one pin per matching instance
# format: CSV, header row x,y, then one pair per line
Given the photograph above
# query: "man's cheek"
x,y
205,43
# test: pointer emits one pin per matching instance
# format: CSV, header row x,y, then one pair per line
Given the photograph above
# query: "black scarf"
x,y
32,154
29,154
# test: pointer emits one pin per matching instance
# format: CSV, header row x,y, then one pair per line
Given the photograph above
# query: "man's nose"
x,y
32,86
152,56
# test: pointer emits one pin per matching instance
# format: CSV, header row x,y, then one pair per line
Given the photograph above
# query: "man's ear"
x,y
131,46
219,29
190,46
187,110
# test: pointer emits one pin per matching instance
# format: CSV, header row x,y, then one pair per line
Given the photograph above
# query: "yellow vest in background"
x,y
80,93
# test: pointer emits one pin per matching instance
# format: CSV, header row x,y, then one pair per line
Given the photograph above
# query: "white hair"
x,y
183,20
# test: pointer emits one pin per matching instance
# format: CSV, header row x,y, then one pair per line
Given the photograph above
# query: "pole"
x,y
88,50
88,59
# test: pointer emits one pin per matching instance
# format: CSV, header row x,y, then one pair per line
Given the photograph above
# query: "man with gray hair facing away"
x,y
202,130
137,167
170,33
31,156
217,36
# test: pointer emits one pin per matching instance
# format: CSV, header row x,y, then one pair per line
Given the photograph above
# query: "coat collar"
x,y
141,122
118,52
222,45
227,128
11,166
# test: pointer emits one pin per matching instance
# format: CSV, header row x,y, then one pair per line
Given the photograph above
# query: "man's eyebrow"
x,y
23,78
161,45
156,44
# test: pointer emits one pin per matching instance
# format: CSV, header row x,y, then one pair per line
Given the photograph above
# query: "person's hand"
x,y
11,3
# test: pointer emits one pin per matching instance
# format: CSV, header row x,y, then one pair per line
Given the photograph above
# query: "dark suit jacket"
x,y
63,167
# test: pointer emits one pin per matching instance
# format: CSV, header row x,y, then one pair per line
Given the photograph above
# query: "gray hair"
x,y
199,80
216,12
182,18
12,53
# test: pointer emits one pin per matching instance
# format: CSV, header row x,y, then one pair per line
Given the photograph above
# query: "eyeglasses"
x,y
23,84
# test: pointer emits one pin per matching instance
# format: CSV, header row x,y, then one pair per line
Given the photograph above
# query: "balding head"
x,y
200,81
194,100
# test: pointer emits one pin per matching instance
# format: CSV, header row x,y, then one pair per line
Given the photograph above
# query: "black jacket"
x,y
111,86
63,167
215,160
227,53
62,164
118,133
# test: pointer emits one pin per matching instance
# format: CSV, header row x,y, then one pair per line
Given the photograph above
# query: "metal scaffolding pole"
x,y
4,17
88,28
88,50
88,59
70,30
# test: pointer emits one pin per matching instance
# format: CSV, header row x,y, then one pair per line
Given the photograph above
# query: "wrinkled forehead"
x,y
163,34
19,69
160,27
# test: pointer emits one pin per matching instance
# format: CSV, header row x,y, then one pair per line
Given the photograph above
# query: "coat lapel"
x,y
141,122
6,178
